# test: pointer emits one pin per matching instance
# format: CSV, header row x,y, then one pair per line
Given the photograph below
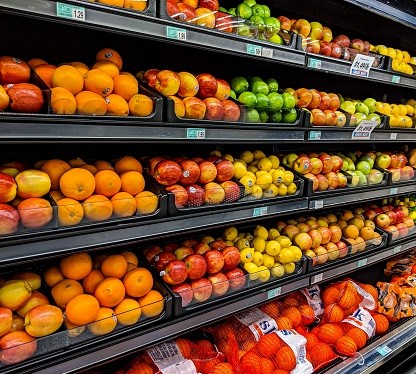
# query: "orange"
x,y
91,168
138,5
108,54
125,86
103,165
65,290
284,323
114,266
321,353
266,365
45,71
129,75
347,299
371,290
308,315
56,195
140,105
55,168
124,204
63,101
226,368
97,208
367,233
140,368
132,182
91,281
351,232
185,346
116,105
82,309
33,62
127,163
98,260
4,98
128,312
108,67
359,336
292,300
82,68
269,344
77,184
105,322
90,104
138,282
70,212
118,3
346,346
110,292
271,309
329,333
285,359
131,266
130,257
152,304
76,162
76,266
333,313
311,340
68,77
330,295
250,363
294,315
52,276
382,324
107,183
99,82
147,202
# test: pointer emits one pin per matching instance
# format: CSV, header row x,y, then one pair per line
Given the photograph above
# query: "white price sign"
x,y
361,65
363,130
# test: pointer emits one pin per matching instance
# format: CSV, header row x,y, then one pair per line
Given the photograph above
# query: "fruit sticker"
x,y
165,355
183,367
258,322
313,297
362,319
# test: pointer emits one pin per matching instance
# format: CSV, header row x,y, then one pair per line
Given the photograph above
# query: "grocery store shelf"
x,y
381,350
331,135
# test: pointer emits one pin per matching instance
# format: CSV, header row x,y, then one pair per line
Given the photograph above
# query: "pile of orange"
x,y
102,291
102,90
99,190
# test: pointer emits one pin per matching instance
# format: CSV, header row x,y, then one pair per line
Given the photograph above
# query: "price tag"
x,y
175,33
316,204
274,293
70,11
261,211
395,79
195,133
318,278
314,63
314,135
267,52
393,136
362,262
254,50
361,65
394,190
363,130
397,249
384,350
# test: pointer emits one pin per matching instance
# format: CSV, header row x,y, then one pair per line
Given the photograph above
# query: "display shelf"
x,y
331,135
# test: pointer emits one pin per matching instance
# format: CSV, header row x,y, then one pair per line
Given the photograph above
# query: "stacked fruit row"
x,y
402,62
136,5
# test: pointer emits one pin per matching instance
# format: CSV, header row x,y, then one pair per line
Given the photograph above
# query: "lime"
x,y
264,116
222,9
258,10
276,117
239,85
243,29
252,115
233,95
288,100
276,39
266,11
254,80
290,116
260,88
248,99
273,85
244,11
262,101
276,100
250,2
232,11
272,24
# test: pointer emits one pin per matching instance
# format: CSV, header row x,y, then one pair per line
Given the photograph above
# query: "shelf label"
x,y
395,78
394,190
316,204
254,50
363,130
70,11
393,136
175,33
362,262
314,63
361,65
267,52
274,293
314,135
384,350
261,211
318,278
397,249
195,133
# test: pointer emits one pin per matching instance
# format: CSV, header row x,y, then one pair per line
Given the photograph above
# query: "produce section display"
x,y
136,5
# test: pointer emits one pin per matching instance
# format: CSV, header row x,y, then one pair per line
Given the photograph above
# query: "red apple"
x,y
325,101
399,216
170,247
302,27
208,172
342,40
210,4
336,50
197,266
173,10
196,195
403,229
225,170
325,48
285,23
232,191
181,195
150,75
207,85
326,234
323,182
167,82
343,248
345,54
9,219
190,172
332,180
185,292
202,289
192,3
194,108
162,259
302,165
223,90
382,220
218,244
182,252
237,279
215,261
392,216
395,233
220,284
303,97
223,22
326,162
316,237
200,248
187,12
358,45
315,181
151,252
367,46
312,46
231,257
188,84
189,242
232,111
336,163
215,111
152,162
331,117
408,222
342,180
167,172
370,214
333,102
8,188
318,117
174,273
407,173
316,99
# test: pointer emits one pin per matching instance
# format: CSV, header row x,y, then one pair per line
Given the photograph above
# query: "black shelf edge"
x,y
330,135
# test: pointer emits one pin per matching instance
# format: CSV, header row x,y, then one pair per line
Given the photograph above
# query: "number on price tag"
x,y
363,130
70,11
314,63
394,190
254,50
361,65
395,79
261,211
314,135
195,133
175,33
267,52
274,293
393,136
362,262
316,204
384,350
318,278
397,249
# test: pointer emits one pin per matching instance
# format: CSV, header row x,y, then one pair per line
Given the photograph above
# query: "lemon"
x,y
257,191
247,156
246,255
261,231
282,191
410,110
254,163
409,122
284,241
259,244
253,169
273,234
258,258
296,252
264,273
277,177
249,236
264,164
258,154
387,109
395,110
289,268
239,170
395,65
406,56
399,55
402,121
273,248
264,180
288,177
402,109
383,50
207,239
268,261
278,271
230,233
379,107
259,173
394,121
242,243
241,160
285,256
229,243
275,161
248,183
228,157
291,189
272,191
251,175
391,52
252,269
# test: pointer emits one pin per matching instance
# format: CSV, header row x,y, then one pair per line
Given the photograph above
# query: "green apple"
x,y
363,166
348,106
289,159
368,159
351,165
383,161
371,104
266,11
374,117
288,100
360,117
273,85
344,164
362,178
276,39
375,176
361,108
352,156
354,179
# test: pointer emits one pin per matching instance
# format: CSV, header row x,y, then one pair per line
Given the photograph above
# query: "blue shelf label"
x,y
384,350
175,33
314,63
362,262
395,79
274,293
254,50
314,135
261,211
70,11
195,133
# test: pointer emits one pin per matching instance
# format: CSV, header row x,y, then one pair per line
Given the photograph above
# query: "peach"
x,y
188,86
